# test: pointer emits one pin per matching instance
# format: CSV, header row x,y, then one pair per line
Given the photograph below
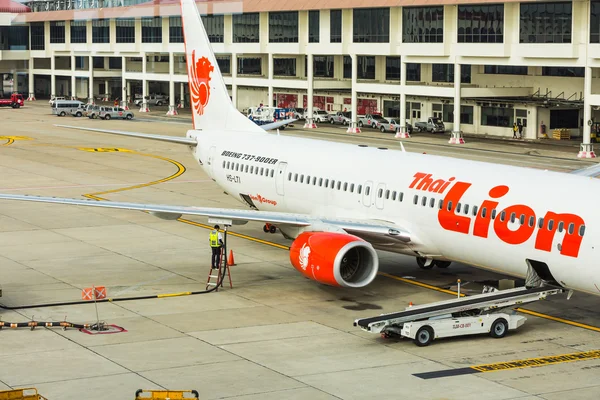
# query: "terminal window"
x,y
366,67
283,27
38,39
392,68
175,30
250,66
313,26
335,26
545,22
246,28
595,22
497,116
100,31
224,63
371,25
125,30
57,31
14,37
152,30
79,31
215,27
505,69
445,73
284,66
481,23
423,24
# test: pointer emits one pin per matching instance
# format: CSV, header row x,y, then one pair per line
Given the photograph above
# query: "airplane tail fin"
x,y
211,105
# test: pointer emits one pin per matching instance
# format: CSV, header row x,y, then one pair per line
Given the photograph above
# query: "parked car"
x,y
299,113
392,125
432,125
157,100
370,120
114,112
341,117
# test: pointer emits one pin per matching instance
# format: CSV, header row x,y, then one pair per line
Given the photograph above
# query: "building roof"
x,y
172,7
10,6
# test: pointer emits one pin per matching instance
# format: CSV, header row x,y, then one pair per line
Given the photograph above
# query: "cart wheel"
x,y
442,264
421,263
424,336
499,328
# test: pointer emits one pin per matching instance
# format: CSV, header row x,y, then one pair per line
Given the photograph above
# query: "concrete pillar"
x,y
52,76
91,80
456,137
353,127
587,149
402,132
124,84
31,96
106,96
181,95
144,107
233,68
129,99
270,75
73,80
15,79
172,110
309,122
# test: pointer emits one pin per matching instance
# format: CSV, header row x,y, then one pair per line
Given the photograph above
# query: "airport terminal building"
x,y
491,63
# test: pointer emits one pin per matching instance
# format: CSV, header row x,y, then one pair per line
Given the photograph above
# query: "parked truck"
x,y
341,117
370,120
432,125
15,101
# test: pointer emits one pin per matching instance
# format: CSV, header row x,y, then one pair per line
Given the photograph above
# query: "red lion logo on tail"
x,y
199,82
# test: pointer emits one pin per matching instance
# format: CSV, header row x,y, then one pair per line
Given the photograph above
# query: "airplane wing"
x,y
163,138
367,227
591,172
278,124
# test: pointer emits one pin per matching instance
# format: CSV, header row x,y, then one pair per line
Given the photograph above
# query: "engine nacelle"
x,y
335,259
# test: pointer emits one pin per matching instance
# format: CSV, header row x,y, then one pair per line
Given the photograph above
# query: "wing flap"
x,y
591,172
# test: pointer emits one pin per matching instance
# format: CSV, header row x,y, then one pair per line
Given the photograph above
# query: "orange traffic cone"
x,y
410,304
230,261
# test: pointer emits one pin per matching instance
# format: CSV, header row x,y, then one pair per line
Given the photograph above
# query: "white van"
x,y
64,107
53,99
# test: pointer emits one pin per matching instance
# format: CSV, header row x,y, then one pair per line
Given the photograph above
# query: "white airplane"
x,y
340,202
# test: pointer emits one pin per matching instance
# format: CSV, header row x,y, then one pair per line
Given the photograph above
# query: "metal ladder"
x,y
223,269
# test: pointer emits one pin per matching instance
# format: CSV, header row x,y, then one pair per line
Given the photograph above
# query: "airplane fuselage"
x,y
492,216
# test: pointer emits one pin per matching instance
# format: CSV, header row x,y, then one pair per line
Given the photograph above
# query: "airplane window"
x,y
387,194
458,208
326,182
295,177
541,223
561,226
466,211
272,173
345,186
359,190
449,206
320,181
531,221
441,204
352,188
314,180
513,217
262,170
483,212
474,211
367,190
424,201
289,176
432,202
571,228
380,193
224,162
416,199
332,184
493,214
246,168
550,225
302,178
502,216
394,195
339,185
400,196
256,172
308,179
522,219
581,230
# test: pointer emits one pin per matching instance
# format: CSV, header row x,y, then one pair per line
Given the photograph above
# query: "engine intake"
x,y
336,259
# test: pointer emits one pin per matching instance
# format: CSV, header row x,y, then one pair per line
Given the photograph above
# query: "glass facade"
x,y
545,22
366,67
445,73
78,31
100,31
57,31
125,30
481,23
215,27
246,28
151,30
371,25
335,26
578,72
423,24
323,66
284,66
392,68
14,37
313,26
283,27
505,69
38,37
249,66
497,116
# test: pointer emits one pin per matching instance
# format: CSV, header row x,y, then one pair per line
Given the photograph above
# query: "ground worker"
x,y
216,242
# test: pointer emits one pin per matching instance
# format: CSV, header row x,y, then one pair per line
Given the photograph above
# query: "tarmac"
x,y
275,334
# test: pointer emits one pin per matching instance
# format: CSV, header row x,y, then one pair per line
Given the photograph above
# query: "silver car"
x,y
114,112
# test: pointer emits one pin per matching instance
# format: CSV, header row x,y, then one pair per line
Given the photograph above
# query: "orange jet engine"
x,y
336,259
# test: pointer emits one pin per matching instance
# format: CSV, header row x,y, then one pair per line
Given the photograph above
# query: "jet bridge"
x,y
455,309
